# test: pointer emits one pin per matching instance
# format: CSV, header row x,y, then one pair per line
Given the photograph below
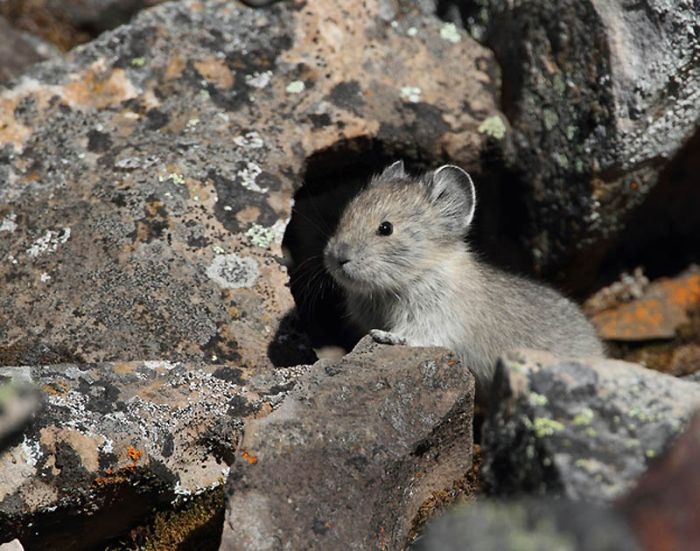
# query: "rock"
x,y
585,429
18,51
658,325
657,314
664,507
600,96
149,176
528,524
18,402
350,456
13,545
112,441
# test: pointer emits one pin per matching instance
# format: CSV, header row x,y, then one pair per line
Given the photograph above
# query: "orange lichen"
x,y
249,457
657,315
134,454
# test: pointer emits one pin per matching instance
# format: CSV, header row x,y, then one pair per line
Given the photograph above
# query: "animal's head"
x,y
400,228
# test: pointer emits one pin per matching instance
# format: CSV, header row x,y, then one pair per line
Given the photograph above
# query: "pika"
x,y
408,275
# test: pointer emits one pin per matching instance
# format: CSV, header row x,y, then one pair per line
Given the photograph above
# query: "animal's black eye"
x,y
385,228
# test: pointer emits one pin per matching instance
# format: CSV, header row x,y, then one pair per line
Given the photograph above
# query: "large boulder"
x,y
114,440
349,458
600,95
148,178
585,429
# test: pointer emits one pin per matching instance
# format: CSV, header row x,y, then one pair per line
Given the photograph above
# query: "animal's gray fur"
x,y
422,284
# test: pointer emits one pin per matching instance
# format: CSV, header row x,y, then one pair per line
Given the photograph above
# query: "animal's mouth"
x,y
346,274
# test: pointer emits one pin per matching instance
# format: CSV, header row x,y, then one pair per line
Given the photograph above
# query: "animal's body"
x,y
400,256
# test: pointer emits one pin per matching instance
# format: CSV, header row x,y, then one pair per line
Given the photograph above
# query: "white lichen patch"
x,y
259,80
260,236
411,93
49,242
295,87
450,33
411,31
44,277
8,223
32,451
248,175
249,140
159,364
493,126
232,271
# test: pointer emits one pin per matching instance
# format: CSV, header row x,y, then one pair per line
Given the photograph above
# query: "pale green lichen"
x,y
174,177
260,236
559,85
650,453
591,432
450,33
537,399
546,427
561,160
138,62
295,87
570,132
411,31
584,417
494,127
550,119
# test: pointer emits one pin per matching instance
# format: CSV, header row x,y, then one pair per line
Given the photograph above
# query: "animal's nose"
x,y
342,253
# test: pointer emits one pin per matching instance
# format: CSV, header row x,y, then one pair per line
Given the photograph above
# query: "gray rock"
x,y
147,178
528,524
600,94
353,452
19,51
114,440
584,429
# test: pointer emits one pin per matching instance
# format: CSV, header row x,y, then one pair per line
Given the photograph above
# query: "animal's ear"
x,y
451,189
394,171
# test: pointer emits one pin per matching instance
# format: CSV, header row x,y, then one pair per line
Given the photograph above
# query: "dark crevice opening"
x,y
662,235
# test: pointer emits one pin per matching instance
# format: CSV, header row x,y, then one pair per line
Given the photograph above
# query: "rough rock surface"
x,y
601,94
349,457
584,429
657,314
147,178
114,440
529,524
664,507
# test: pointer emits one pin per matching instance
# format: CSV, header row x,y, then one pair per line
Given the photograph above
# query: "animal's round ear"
x,y
394,171
452,191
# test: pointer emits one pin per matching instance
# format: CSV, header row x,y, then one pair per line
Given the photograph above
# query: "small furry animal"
x,y
409,277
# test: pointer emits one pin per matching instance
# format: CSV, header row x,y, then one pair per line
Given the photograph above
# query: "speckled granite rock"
x,y
349,457
600,95
147,179
529,524
584,429
114,440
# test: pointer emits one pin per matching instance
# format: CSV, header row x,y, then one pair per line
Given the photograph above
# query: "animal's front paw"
x,y
385,337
